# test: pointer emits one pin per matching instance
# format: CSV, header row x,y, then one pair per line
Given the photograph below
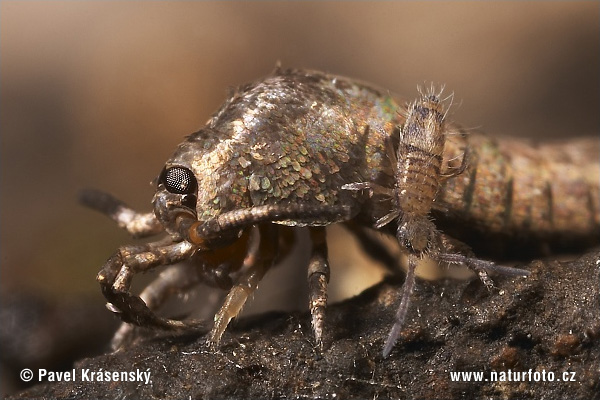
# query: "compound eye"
x,y
179,180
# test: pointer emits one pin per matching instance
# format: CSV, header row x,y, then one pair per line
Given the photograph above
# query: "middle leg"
x,y
261,254
318,278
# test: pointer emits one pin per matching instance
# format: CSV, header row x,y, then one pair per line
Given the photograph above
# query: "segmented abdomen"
x,y
418,181
516,188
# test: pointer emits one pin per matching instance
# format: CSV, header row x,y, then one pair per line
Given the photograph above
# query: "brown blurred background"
x,y
99,94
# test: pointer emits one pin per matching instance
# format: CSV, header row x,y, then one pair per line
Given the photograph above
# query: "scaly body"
x,y
282,152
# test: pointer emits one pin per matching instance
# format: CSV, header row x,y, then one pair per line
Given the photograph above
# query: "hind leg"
x,y
456,252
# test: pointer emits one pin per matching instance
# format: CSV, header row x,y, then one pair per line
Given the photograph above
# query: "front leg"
x,y
173,280
117,273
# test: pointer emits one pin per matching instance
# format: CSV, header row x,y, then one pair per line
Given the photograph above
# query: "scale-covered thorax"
x,y
292,137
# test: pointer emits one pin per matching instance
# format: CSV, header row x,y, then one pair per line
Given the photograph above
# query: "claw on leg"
x,y
235,300
175,279
116,275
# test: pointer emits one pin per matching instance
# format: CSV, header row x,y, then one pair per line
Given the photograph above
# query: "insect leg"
x,y
456,252
173,280
261,253
408,287
137,224
479,266
117,273
318,277
457,171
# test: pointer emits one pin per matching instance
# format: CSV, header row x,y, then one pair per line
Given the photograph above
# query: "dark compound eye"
x,y
179,180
